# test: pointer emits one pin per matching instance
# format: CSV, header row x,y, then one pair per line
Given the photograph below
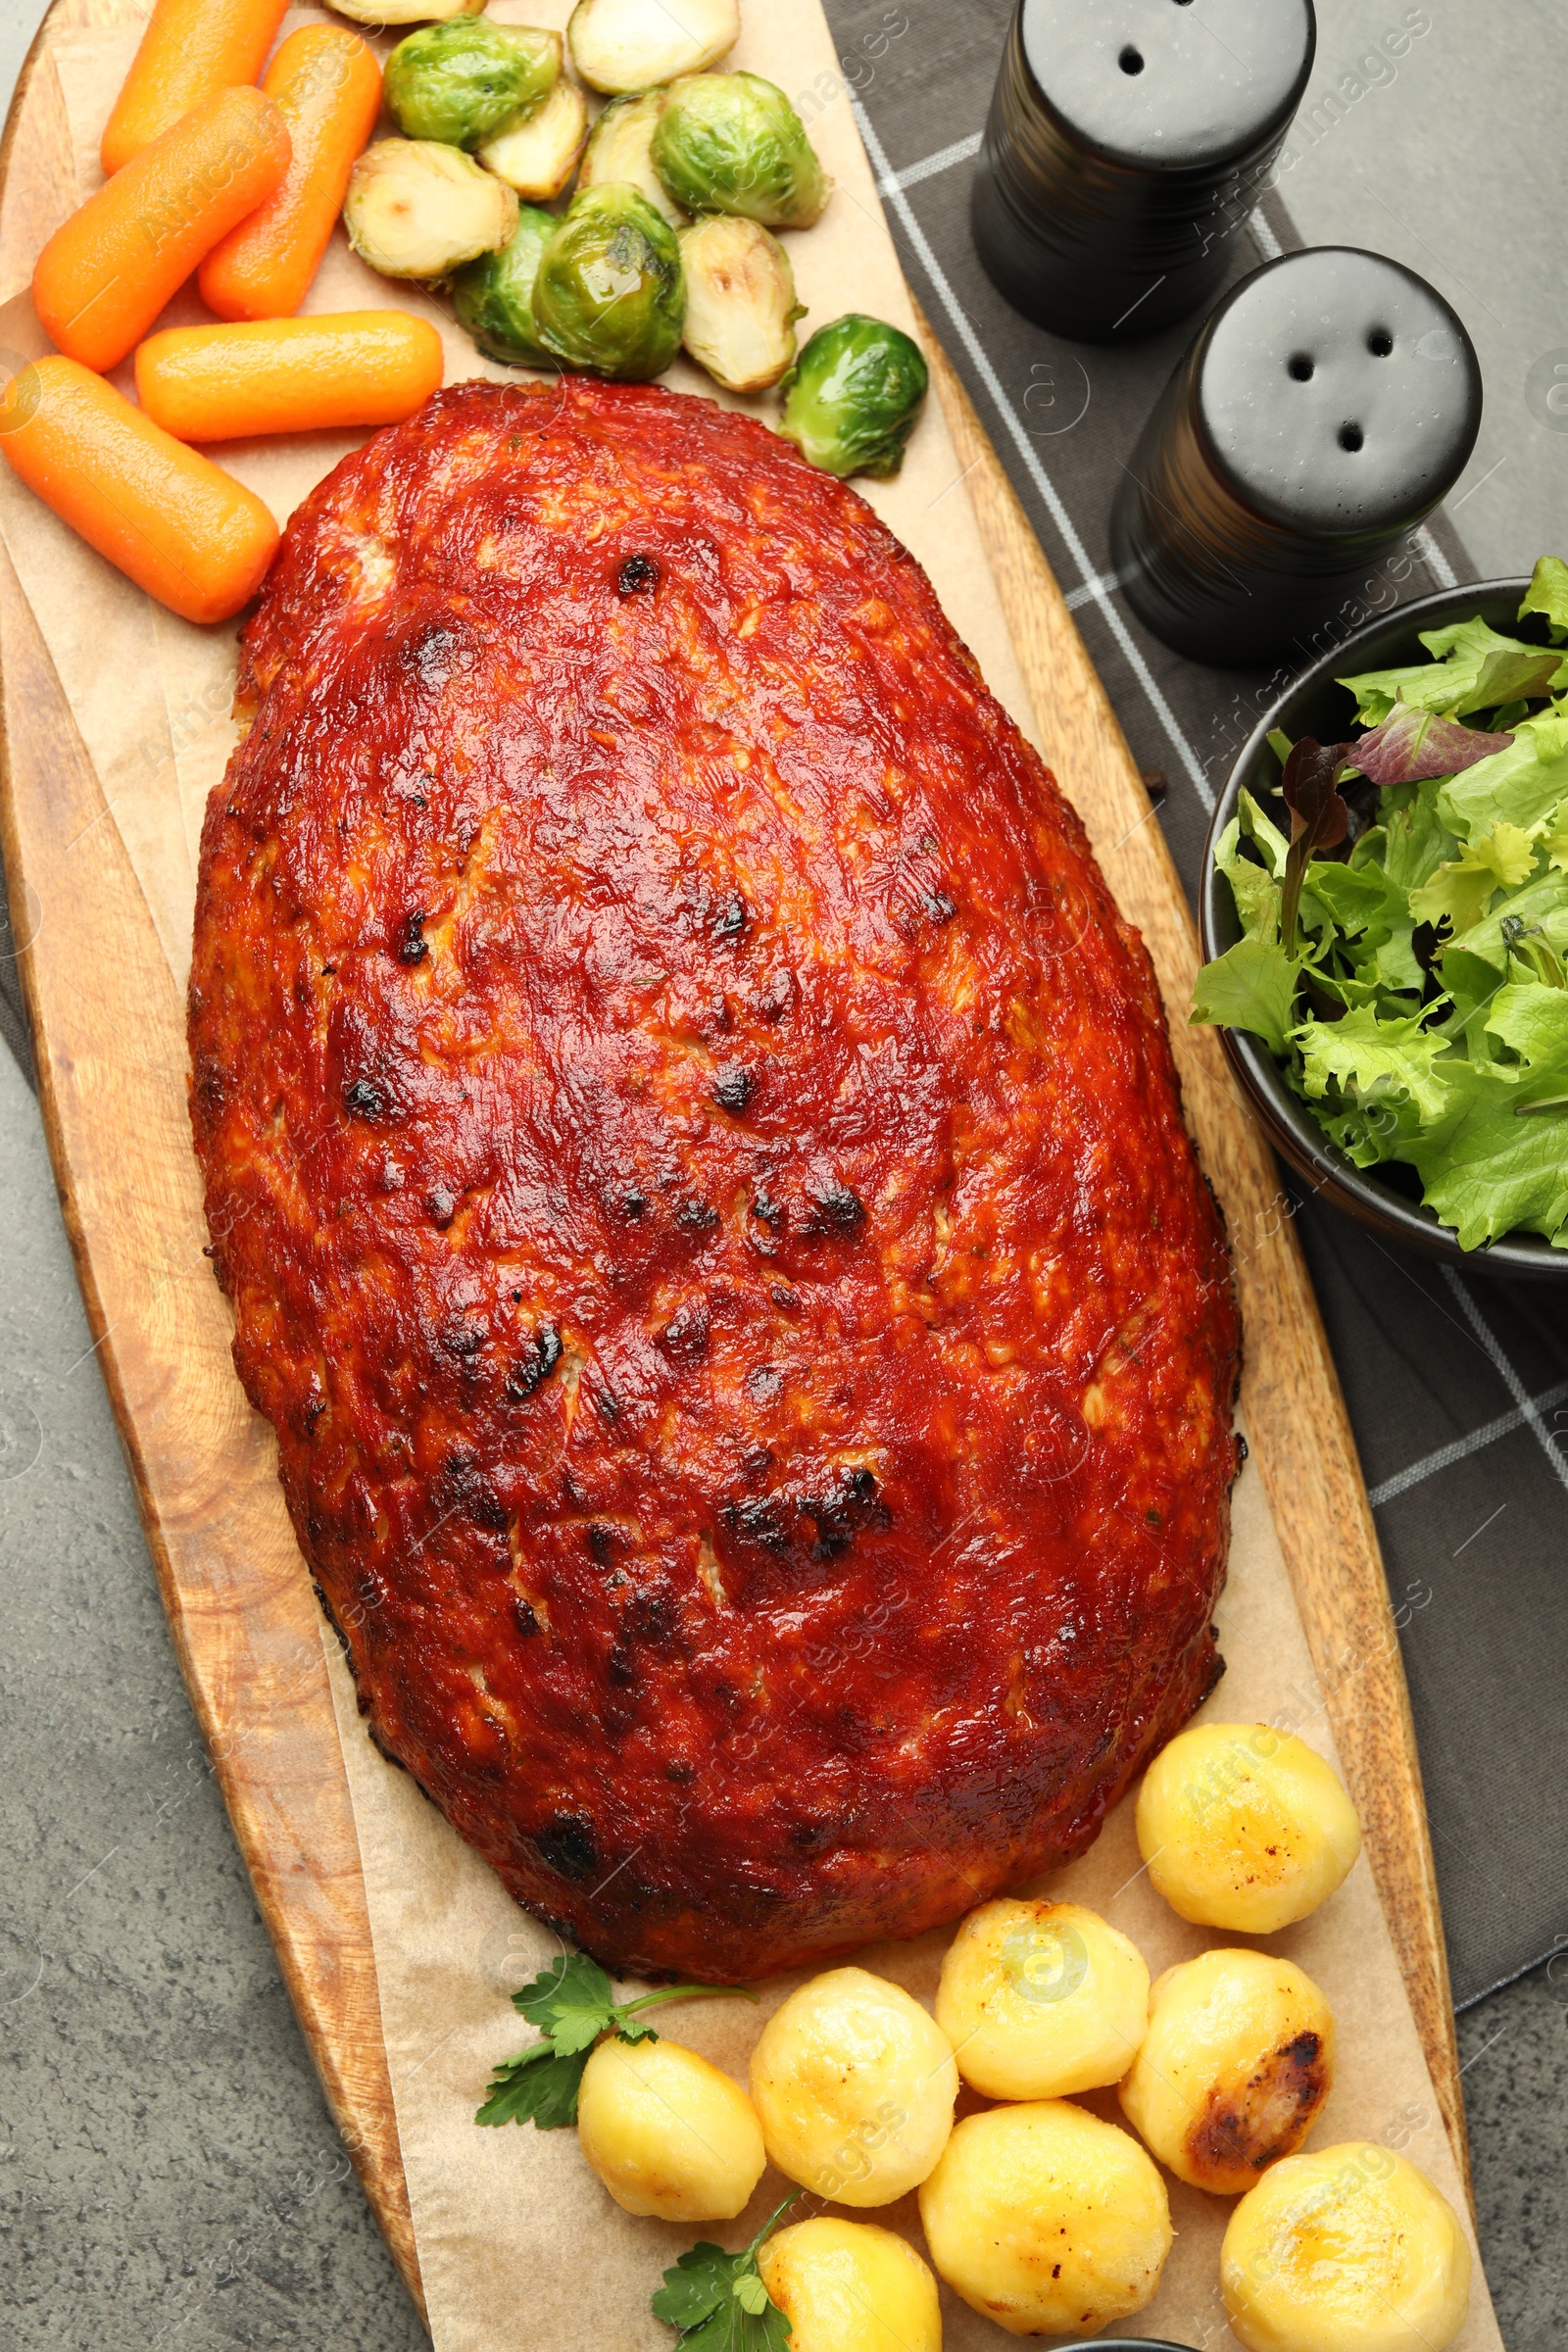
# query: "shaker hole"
x,y
1131,60
1379,343
1351,437
1301,366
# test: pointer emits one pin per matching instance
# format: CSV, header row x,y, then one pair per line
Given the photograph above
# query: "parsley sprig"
x,y
719,2301
572,2002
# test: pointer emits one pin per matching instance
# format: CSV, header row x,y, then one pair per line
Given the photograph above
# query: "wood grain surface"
x,y
109,1034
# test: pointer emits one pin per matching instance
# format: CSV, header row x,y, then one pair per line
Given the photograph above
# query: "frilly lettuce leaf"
x,y
1475,669
1524,783
1252,985
1257,826
1547,593
1487,1170
1533,1022
1414,840
1541,904
1459,894
1367,1060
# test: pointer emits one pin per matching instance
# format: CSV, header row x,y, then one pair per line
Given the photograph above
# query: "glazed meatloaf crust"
x,y
696,1163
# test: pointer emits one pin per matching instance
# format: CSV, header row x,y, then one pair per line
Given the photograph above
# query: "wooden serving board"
x,y
109,1029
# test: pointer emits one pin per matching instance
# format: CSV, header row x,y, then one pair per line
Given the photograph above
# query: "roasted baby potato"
x,y
849,2286
1040,1999
619,149
620,45
740,303
1232,2075
1349,2249
611,293
666,2132
1046,2220
854,2085
462,80
536,153
733,143
493,297
853,397
417,208
1243,1827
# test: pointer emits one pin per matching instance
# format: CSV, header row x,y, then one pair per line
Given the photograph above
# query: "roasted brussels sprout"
x,y
620,45
733,143
740,302
460,82
618,150
407,12
610,294
852,397
493,296
416,208
536,153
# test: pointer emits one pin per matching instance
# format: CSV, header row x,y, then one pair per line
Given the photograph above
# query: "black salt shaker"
x,y
1327,406
1127,141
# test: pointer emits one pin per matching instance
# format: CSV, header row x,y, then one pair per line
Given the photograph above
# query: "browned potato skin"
x,y
1234,2072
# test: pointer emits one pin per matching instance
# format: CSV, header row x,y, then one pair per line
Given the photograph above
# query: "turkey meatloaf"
x,y
695,1158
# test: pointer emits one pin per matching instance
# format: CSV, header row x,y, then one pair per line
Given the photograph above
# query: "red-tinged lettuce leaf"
x,y
1412,746
1319,818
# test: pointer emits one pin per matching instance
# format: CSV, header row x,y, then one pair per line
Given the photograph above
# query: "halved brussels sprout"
x,y
740,302
618,150
416,208
620,45
407,12
733,143
461,80
536,153
610,294
493,296
853,396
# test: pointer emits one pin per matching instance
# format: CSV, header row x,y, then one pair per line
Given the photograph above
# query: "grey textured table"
x,y
173,2179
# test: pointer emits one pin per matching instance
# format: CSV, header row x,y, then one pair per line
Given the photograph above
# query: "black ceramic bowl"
x,y
1387,1200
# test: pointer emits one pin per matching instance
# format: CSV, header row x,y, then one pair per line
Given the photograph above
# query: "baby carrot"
x,y
169,519
288,375
326,85
190,50
103,279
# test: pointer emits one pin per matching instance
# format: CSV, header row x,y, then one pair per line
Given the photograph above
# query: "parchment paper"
x,y
518,2245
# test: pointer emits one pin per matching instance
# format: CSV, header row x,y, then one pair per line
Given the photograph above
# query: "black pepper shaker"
x,y
1327,406
1127,140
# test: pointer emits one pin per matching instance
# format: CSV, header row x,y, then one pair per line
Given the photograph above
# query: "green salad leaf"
x,y
573,2003
1474,669
1404,950
1548,594
1252,985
